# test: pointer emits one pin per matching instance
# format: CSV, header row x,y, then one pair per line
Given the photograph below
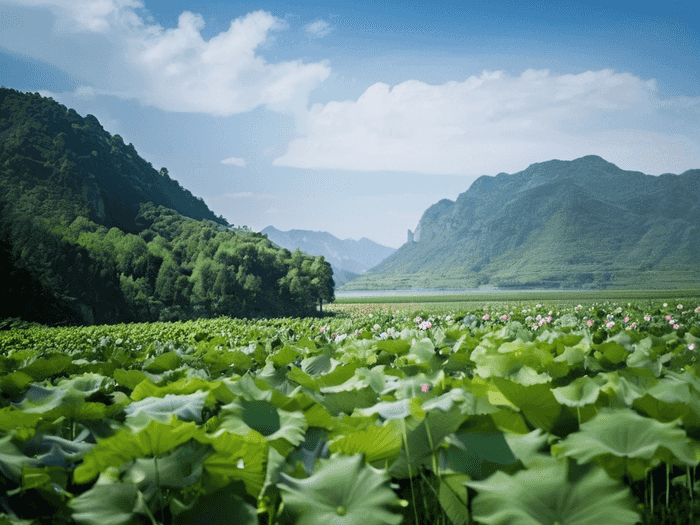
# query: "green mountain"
x,y
91,233
347,257
577,224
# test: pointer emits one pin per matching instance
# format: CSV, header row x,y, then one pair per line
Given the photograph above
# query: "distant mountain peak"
x,y
347,257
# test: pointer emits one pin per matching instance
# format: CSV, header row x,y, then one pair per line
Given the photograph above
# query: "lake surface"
x,y
399,293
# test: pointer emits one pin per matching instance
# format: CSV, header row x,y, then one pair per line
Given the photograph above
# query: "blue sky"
x,y
353,117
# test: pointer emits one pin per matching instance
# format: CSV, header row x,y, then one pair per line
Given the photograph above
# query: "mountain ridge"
x,y
568,224
348,258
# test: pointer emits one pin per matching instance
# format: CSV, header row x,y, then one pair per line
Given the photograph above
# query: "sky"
x,y
353,117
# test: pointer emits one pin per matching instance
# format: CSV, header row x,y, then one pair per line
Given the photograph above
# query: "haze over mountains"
x,y
348,258
581,224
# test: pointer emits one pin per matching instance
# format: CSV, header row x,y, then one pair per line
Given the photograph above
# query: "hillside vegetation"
x,y
92,233
580,224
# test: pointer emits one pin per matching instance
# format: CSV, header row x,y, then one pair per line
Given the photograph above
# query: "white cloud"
x,y
318,29
234,161
497,122
175,69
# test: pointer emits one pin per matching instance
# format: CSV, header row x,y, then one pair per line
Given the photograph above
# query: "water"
x,y
399,293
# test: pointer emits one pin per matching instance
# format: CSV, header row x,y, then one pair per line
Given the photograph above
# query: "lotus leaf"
x,y
343,491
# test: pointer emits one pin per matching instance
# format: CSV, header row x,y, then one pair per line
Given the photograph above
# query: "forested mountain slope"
x,y
574,224
91,233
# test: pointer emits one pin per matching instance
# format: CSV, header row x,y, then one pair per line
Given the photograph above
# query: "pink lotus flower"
x,y
589,322
425,388
675,327
486,317
691,346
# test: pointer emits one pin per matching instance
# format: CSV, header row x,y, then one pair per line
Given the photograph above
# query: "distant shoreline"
x,y
394,293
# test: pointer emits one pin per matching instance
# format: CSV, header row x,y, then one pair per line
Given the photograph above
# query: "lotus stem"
x,y
410,474
668,485
652,491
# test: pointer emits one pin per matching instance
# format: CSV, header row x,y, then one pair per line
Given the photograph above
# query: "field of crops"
x,y
495,413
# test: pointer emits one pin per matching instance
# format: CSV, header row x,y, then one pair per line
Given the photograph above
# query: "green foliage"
x,y
91,233
353,420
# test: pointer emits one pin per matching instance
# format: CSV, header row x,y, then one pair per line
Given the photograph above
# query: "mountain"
x,y
347,257
57,146
574,224
91,233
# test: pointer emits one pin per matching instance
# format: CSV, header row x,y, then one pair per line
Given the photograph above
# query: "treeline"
x,y
74,251
177,268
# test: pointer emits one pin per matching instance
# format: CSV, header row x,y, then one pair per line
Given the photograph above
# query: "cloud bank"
x,y
497,122
176,69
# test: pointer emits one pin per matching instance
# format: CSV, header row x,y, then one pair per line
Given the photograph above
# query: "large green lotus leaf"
x,y
153,440
536,402
394,409
179,469
544,496
612,351
347,401
222,507
129,378
41,368
343,491
412,386
624,387
238,457
337,376
282,357
665,412
56,451
185,407
276,378
376,443
300,377
624,442
257,390
526,447
452,495
39,399
315,446
445,402
576,354
163,363
15,383
319,364
242,416
12,418
218,391
580,392
508,421
12,460
87,384
420,352
362,378
110,504
52,479
423,440
477,454
393,346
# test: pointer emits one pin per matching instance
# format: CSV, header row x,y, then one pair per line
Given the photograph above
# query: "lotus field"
x,y
520,414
